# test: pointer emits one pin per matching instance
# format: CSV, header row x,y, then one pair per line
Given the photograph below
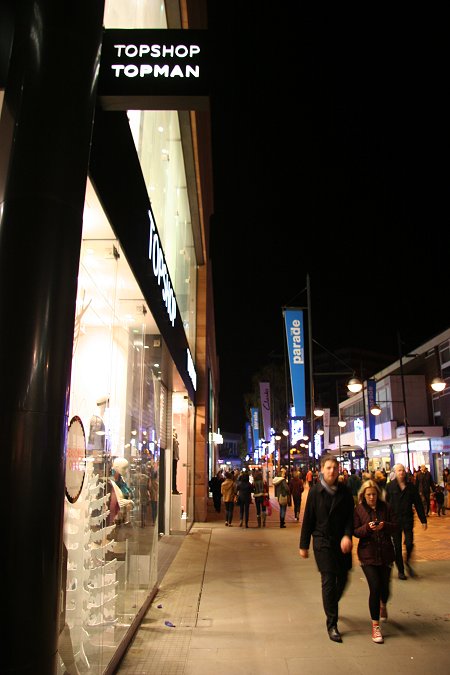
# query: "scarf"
x,y
331,489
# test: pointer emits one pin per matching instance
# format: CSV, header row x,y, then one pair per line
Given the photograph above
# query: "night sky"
x,y
330,152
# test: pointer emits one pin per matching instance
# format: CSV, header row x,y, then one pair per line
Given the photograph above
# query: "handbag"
x,y
283,500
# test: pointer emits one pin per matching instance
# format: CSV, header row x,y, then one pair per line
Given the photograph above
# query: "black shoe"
x,y
175,492
410,570
402,576
334,634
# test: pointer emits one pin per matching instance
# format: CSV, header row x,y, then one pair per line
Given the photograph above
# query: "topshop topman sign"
x,y
154,64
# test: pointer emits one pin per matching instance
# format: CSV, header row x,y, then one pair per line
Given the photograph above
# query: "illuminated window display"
x,y
119,405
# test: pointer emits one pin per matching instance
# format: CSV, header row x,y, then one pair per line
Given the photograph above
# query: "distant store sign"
x,y
154,64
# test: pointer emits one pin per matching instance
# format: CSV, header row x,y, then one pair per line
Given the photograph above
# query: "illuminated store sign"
x,y
159,267
131,69
153,63
191,369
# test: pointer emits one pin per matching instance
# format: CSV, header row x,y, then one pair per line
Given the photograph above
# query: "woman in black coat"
x,y
374,524
244,492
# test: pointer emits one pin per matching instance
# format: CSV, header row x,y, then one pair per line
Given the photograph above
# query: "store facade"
x,y
119,369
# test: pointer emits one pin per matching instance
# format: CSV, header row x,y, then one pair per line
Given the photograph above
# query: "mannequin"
x,y
175,458
121,503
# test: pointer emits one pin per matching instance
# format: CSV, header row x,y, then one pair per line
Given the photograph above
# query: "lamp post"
x,y
355,385
278,439
285,433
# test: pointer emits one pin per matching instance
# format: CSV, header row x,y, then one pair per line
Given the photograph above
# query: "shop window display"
x,y
111,528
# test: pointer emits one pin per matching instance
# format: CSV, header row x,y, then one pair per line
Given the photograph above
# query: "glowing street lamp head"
x,y
354,385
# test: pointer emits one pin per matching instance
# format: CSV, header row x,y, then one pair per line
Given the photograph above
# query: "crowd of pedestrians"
x,y
376,508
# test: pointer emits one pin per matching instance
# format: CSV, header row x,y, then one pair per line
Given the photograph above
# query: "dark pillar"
x,y
45,133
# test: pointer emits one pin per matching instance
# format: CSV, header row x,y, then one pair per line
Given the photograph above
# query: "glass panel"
x,y
135,14
111,529
157,138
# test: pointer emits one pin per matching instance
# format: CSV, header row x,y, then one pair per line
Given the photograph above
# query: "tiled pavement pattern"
x,y
242,601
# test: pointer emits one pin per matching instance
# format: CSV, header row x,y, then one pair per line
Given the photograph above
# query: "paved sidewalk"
x,y
242,601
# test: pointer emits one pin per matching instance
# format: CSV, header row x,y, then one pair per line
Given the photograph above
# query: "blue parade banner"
x,y
255,427
371,400
296,351
249,438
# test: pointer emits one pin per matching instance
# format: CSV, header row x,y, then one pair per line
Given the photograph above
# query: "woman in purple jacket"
x,y
374,524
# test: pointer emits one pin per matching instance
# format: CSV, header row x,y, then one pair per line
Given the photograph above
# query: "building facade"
x,y
109,378
413,424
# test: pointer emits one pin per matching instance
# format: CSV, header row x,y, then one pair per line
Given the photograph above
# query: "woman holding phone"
x,y
374,524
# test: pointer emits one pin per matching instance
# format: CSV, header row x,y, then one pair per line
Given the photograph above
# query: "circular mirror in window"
x,y
75,459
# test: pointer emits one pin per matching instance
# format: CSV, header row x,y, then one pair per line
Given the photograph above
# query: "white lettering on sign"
x,y
156,51
191,370
158,71
159,267
297,347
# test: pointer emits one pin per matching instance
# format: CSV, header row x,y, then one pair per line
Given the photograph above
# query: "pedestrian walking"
x,y
260,490
374,524
425,484
228,489
283,495
354,484
328,519
403,495
296,489
446,479
439,497
244,491
215,484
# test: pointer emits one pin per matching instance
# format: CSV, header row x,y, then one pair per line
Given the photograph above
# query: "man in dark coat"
x,y
328,518
425,485
403,495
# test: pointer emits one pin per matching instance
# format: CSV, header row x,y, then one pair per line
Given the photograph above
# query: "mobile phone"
x,y
376,523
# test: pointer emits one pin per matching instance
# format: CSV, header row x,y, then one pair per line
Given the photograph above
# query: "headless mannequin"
x,y
121,491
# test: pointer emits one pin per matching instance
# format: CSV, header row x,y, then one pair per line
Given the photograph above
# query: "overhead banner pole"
x,y
311,368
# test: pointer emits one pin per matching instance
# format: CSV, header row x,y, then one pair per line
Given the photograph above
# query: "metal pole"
x,y
311,372
366,458
338,416
287,396
405,415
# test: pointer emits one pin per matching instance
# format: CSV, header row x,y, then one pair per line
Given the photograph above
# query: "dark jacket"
x,y
425,482
244,490
296,486
327,519
354,483
402,502
374,548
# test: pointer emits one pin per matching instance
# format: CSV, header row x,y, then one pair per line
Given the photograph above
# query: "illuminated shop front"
x,y
102,207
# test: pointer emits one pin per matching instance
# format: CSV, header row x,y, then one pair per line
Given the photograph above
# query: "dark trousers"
x,y
217,499
244,509
297,503
333,586
259,503
229,508
378,577
409,544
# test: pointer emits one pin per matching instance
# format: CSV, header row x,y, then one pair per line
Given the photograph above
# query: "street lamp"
x,y
438,384
355,385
